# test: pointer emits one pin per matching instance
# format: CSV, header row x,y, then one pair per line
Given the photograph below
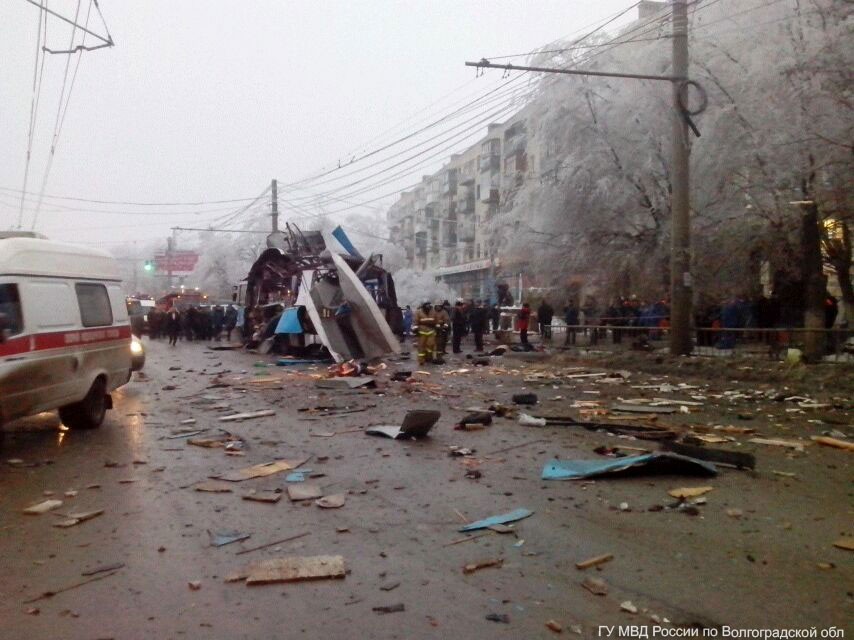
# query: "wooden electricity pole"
x,y
681,284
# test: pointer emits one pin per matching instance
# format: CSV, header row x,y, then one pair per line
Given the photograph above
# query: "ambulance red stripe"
x,y
63,339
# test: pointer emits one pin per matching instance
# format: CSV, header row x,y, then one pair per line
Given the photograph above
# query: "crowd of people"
x,y
433,325
193,323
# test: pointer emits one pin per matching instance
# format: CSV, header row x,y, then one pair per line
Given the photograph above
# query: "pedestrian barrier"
x,y
708,341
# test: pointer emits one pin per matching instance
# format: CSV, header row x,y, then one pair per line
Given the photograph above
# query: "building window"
x,y
478,192
94,302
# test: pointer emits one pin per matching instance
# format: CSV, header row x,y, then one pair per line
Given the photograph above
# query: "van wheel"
x,y
90,411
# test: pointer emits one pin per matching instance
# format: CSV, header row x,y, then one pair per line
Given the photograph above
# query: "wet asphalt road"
x,y
405,502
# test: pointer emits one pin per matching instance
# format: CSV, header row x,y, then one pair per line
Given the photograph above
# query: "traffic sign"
x,y
181,262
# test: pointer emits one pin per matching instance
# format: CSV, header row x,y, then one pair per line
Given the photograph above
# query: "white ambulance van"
x,y
65,339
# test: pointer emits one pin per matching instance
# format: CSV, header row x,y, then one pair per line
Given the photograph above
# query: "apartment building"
x,y
449,224
453,222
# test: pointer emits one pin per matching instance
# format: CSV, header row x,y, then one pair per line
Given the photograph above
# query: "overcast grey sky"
x,y
209,100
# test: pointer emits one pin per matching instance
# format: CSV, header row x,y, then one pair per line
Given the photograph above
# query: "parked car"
x,y
65,338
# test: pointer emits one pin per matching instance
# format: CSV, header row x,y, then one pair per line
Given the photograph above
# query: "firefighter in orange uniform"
x,y
425,329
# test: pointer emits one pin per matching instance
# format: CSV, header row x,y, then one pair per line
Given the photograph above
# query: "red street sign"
x,y
178,262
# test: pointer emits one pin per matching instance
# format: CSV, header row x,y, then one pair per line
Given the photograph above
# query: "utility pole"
x,y
681,283
275,205
680,207
170,248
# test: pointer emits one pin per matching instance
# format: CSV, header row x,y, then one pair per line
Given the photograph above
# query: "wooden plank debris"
x,y
296,569
77,518
213,486
797,445
43,507
834,442
261,470
684,493
251,415
594,562
471,567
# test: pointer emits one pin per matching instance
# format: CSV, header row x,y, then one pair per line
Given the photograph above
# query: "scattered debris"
x,y
194,585
628,606
222,538
553,625
596,586
416,424
43,507
648,463
292,569
529,421
846,543
734,513
736,459
238,417
834,442
213,486
333,501
49,594
392,608
304,491
185,434
103,569
263,496
525,398
77,518
261,470
498,617
594,562
502,529
482,564
272,544
477,417
512,516
689,492
639,408
797,445
345,383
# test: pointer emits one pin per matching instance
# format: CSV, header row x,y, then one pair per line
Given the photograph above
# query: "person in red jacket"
x,y
524,320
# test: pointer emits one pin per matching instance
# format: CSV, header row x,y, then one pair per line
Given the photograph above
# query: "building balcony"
x,y
449,181
466,205
490,163
466,230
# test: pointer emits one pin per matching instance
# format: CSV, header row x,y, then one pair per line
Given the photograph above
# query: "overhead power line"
x,y
38,74
134,204
57,127
107,40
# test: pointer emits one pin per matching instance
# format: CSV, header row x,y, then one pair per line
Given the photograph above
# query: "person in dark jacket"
x,y
173,325
495,316
570,317
217,321
479,321
458,326
545,314
230,321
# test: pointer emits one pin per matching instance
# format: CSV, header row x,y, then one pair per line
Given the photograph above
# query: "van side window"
x,y
94,304
11,319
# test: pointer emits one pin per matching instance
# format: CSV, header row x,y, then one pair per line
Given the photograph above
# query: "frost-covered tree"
x,y
778,129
